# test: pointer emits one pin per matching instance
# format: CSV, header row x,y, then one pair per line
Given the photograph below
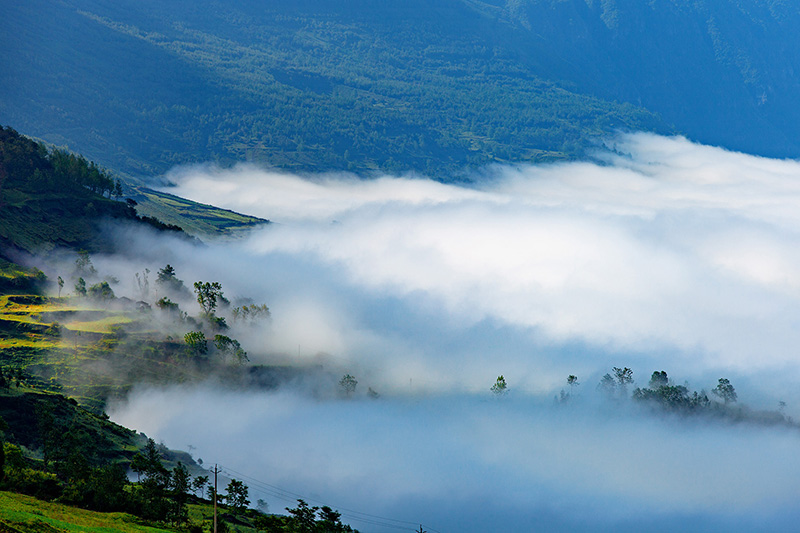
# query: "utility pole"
x,y
216,471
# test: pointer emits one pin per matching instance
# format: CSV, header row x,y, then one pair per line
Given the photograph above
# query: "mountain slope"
x,y
723,71
314,85
52,198
432,86
197,219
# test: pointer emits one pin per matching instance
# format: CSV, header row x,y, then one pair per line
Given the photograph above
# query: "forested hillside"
x,y
54,198
317,85
722,71
364,85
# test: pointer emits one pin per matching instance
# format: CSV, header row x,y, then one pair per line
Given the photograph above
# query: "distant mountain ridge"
x,y
434,86
723,71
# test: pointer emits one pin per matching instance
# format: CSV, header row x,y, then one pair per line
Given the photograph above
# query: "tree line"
x,y
663,395
30,166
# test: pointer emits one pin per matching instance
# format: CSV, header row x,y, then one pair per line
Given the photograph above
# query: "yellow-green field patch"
x,y
102,325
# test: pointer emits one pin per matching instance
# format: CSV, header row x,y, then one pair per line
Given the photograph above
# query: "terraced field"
x,y
81,349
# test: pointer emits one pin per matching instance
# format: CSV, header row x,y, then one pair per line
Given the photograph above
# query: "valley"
x,y
429,266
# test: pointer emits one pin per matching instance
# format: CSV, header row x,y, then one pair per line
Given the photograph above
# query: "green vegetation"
x,y
88,344
663,396
62,358
430,86
393,87
64,449
53,198
500,387
197,219
25,514
348,385
14,277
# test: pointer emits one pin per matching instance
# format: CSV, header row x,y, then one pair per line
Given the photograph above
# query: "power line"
x,y
215,471
350,514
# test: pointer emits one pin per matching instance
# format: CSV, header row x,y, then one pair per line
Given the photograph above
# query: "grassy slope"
x,y
40,222
68,346
24,514
15,278
22,406
197,219
74,347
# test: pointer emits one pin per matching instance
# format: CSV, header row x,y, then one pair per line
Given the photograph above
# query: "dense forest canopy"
x,y
365,85
313,86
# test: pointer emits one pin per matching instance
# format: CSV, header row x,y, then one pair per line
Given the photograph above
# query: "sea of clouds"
x,y
660,254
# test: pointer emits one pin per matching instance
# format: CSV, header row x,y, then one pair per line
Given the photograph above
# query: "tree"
x,y
236,496
157,481
101,291
572,381
725,390
165,304
80,287
102,489
179,488
60,282
607,385
83,264
3,429
348,385
251,312
272,523
117,192
196,342
168,281
624,377
143,283
658,379
150,464
500,388
207,295
330,521
198,484
304,517
139,465
167,275
231,347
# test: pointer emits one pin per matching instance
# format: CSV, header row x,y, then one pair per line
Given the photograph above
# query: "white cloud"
x,y
663,255
669,245
511,456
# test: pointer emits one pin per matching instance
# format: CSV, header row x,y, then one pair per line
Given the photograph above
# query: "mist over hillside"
x,y
567,297
669,256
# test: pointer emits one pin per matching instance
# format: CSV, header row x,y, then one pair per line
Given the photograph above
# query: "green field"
x,y
197,219
25,514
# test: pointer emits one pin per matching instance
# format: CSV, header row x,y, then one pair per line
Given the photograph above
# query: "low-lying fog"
x,y
662,255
